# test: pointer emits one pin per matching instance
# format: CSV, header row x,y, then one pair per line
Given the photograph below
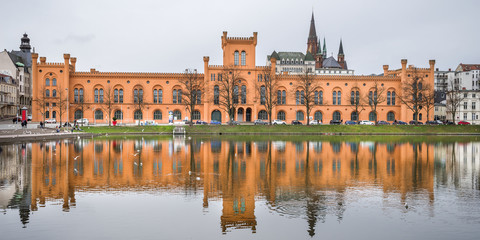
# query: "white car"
x,y
279,122
51,120
315,122
365,122
83,121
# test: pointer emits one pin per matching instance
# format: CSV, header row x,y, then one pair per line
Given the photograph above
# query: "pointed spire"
x,y
340,50
324,48
319,47
313,33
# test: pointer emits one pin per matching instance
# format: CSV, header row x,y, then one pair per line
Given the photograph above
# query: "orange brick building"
x,y
161,91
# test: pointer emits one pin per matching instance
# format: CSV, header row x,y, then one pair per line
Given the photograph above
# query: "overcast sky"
x,y
169,36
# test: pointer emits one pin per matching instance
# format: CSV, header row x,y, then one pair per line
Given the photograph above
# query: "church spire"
x,y
313,33
340,50
324,48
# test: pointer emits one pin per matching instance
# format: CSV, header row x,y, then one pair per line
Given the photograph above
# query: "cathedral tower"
x,y
312,38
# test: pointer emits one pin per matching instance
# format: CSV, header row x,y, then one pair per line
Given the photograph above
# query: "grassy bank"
x,y
360,129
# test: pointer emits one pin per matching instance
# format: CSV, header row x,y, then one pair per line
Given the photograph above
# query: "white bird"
x,y
75,171
198,178
189,172
75,158
135,163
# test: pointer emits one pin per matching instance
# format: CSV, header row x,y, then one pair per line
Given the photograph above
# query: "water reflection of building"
x,y
306,178
15,179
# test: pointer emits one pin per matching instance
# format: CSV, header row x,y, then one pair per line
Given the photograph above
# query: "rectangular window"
x,y
465,104
212,77
474,105
464,116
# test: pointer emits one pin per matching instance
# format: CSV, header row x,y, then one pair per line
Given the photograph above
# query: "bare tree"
x,y
228,82
306,86
412,93
454,99
356,100
267,87
375,97
138,101
41,101
62,102
193,87
428,99
108,102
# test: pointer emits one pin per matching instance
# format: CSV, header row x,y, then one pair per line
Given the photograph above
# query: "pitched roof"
x,y
330,63
23,57
468,67
309,57
275,55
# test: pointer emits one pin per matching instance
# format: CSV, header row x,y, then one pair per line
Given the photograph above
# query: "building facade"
x,y
8,96
468,109
162,91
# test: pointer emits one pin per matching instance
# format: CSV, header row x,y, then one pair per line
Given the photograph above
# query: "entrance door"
x,y
217,116
240,115
248,115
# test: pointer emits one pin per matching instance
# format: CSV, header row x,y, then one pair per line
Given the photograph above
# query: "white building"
x,y
469,108
467,77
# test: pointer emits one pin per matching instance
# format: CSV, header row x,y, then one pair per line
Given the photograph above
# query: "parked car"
x,y
463,123
335,122
399,123
366,122
350,123
296,122
83,121
431,123
17,119
413,122
200,122
381,122
215,122
233,123
51,120
439,122
279,122
259,122
449,123
315,122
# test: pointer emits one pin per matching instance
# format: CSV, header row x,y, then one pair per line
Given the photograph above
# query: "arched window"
x,y
302,95
47,114
262,95
244,94
138,95
354,116
217,115
352,98
372,116
320,97
216,97
318,116
198,97
339,98
244,59
420,117
393,98
357,97
334,98
75,95
196,115
279,97
157,95
263,115
78,114
300,116
235,58
235,94
281,115
81,95
137,115
54,114
47,82
101,95
297,97
95,95
177,115
47,93
157,115
54,82
98,115
120,98
284,97
388,98
336,116
54,93
118,115
370,98
390,116
115,95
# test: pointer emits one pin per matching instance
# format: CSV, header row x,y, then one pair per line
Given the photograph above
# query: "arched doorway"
x,y
240,115
217,115
248,115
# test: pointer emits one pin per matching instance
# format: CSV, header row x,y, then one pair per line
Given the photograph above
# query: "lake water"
x,y
241,188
